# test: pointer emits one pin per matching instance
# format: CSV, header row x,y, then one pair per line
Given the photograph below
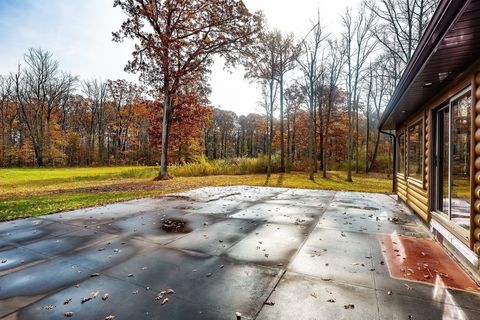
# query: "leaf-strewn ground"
x,y
34,192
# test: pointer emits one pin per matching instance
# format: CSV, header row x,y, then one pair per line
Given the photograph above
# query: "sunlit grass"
x,y
34,192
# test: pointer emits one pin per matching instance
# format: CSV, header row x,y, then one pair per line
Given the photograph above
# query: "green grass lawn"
x,y
33,192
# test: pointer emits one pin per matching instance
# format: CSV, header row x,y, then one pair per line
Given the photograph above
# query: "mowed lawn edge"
x,y
36,192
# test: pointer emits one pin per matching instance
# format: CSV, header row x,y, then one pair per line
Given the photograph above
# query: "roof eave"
x,y
447,13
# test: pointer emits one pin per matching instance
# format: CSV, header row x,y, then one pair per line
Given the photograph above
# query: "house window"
x,y
401,154
453,137
415,151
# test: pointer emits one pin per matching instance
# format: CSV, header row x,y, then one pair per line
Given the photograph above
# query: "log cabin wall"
x,y
475,223
417,194
412,191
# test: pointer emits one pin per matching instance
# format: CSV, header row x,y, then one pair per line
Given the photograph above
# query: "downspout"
x,y
394,167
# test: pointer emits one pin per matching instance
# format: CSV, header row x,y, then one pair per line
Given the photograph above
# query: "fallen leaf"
x,y
67,301
349,306
105,296
68,314
164,301
110,317
86,299
96,274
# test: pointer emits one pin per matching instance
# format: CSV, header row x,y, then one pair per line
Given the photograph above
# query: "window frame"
x,y
420,182
444,218
402,155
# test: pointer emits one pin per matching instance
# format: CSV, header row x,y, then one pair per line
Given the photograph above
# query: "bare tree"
x,y
262,65
335,63
96,93
382,88
309,63
288,52
294,100
358,45
365,45
400,26
123,95
7,115
40,88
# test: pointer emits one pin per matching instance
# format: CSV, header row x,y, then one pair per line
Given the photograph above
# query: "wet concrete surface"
x,y
267,253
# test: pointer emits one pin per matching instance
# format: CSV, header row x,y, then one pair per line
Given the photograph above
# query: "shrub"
x,y
236,166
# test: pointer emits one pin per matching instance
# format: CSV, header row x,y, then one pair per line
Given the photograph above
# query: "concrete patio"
x,y
216,253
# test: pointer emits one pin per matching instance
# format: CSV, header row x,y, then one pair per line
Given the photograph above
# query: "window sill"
x,y
459,232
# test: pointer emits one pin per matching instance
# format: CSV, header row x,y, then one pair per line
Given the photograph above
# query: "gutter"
x,y
394,167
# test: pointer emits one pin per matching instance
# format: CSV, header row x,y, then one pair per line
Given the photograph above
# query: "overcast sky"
x,y
78,33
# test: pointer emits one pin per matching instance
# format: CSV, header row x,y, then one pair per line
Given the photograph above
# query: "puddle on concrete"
x,y
176,226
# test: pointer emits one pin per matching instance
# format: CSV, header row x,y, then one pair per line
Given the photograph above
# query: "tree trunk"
x,y
357,137
163,174
270,134
350,132
321,129
375,151
327,126
311,135
367,166
282,140
292,153
38,155
289,141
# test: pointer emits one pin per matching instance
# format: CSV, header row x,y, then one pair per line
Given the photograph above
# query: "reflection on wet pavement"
x,y
211,253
